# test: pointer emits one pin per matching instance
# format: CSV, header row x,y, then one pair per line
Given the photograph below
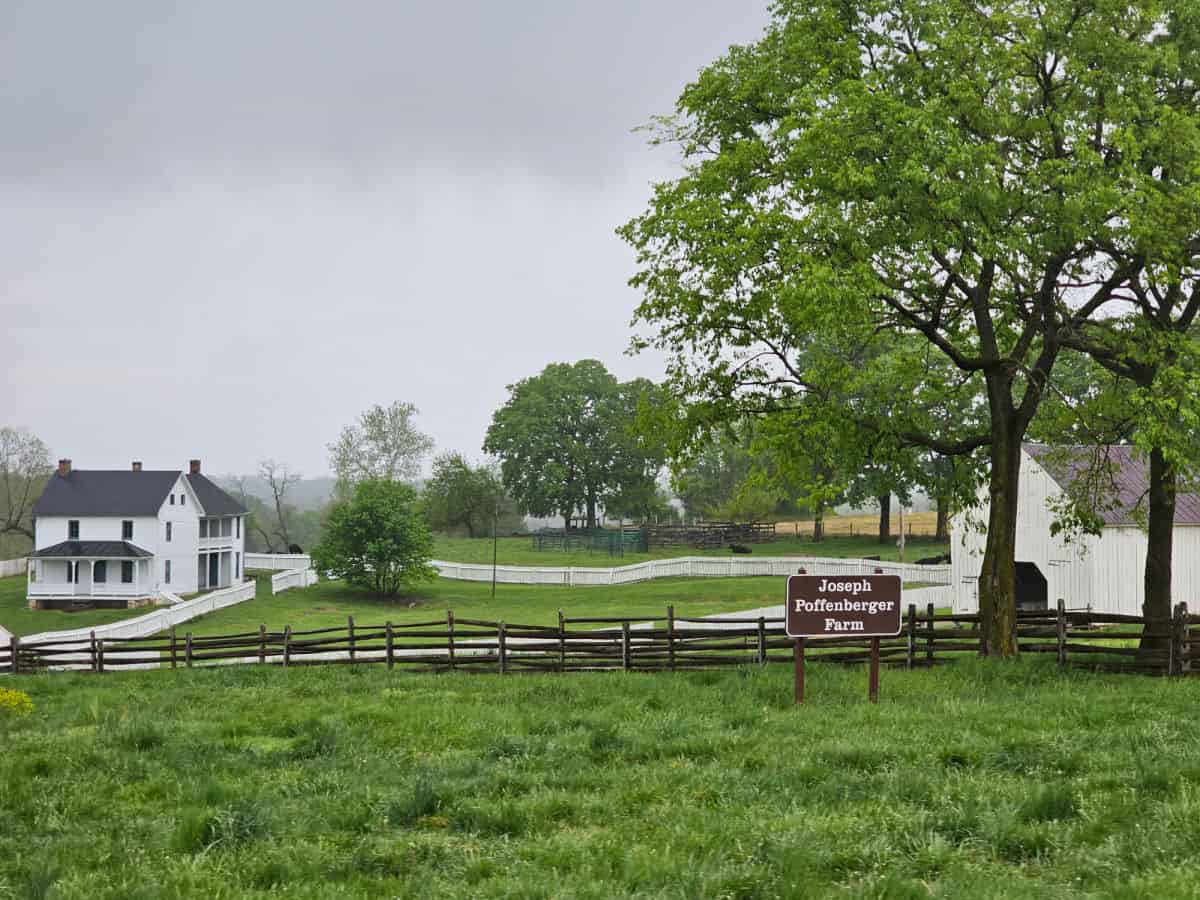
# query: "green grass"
x,y
518,551
18,618
982,779
328,603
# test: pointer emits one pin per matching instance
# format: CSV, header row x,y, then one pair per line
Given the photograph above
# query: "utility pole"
x,y
495,543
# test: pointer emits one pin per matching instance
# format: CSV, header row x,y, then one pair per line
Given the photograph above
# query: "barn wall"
x,y
1120,567
1067,564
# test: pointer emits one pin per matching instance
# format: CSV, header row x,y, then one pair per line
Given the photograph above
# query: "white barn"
x,y
1104,573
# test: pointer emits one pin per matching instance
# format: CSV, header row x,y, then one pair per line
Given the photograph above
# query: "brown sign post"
x,y
825,606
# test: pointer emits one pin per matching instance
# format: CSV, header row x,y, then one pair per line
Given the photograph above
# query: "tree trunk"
x,y
591,511
819,522
1159,544
997,575
885,518
942,531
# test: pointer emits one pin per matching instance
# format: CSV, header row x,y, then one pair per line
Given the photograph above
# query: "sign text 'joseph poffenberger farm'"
x,y
819,606
863,606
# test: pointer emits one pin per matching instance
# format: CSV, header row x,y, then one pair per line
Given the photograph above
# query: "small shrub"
x,y
14,702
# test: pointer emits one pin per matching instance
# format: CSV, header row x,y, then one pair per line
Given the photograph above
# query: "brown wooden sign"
x,y
843,606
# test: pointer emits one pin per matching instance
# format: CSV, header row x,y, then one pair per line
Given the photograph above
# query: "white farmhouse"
x,y
113,539
1102,572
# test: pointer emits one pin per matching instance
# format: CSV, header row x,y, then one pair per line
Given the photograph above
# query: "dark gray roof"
x,y
1117,476
213,500
105,549
123,492
100,492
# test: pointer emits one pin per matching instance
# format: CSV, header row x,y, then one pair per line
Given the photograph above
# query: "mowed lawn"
x,y
18,618
518,551
329,603
979,779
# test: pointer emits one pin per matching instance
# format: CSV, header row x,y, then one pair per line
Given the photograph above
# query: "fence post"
x,y
762,641
450,636
14,648
625,646
1185,641
95,658
262,644
391,650
671,637
503,648
1060,632
350,628
1175,657
187,649
929,635
910,645
287,645
173,647
562,642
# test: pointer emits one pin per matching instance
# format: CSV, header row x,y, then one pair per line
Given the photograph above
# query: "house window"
x,y
237,565
168,532
70,572
238,520
127,530
167,571
126,571
73,530
204,528
172,499
226,527
182,499
100,572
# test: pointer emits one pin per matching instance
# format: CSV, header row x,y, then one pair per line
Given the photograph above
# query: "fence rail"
x,y
692,567
293,578
1079,639
274,562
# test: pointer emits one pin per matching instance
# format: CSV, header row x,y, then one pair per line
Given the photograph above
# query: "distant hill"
x,y
308,493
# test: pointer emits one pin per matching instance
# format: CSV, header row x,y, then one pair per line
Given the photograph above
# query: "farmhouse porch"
x,y
96,574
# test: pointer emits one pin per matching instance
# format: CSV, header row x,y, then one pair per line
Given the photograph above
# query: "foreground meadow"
x,y
975,780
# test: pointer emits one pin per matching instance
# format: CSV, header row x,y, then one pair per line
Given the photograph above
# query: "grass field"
x,y
518,551
980,779
328,603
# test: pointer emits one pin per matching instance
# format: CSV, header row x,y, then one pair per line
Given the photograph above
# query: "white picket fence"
x,y
692,567
293,578
156,621
11,567
275,562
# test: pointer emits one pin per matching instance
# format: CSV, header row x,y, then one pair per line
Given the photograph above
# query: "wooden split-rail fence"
x,y
1103,642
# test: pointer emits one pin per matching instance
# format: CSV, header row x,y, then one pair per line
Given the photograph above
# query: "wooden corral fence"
x,y
707,534
1080,639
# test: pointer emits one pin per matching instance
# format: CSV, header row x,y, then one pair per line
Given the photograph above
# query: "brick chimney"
x,y
64,467
137,465
193,467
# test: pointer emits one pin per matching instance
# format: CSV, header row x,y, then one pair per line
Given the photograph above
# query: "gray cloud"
x,y
229,227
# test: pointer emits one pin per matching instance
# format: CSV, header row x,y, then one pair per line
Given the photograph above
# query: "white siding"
x,y
185,539
1105,573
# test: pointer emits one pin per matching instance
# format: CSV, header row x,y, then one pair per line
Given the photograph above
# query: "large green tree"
x,y
568,440
947,170
459,495
384,442
378,539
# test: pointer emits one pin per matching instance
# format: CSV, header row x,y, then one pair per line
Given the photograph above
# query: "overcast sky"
x,y
228,227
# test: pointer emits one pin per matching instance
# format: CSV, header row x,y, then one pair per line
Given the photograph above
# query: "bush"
x,y
380,539
14,702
